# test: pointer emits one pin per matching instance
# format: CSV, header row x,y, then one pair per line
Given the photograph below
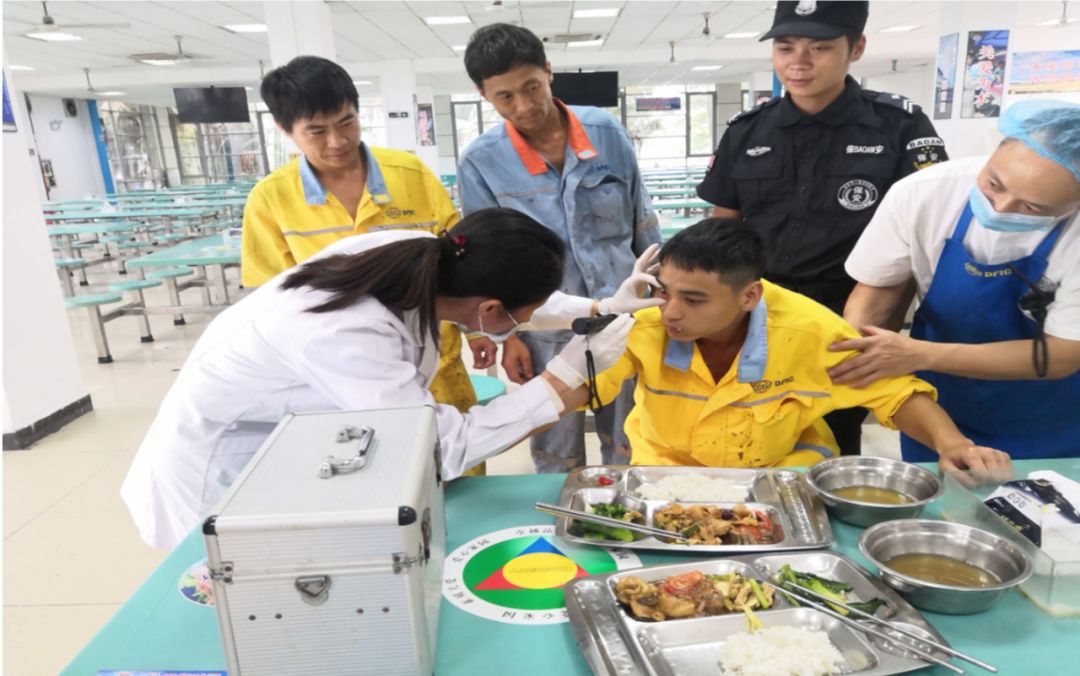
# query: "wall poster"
x,y
1045,72
945,78
984,73
9,112
425,125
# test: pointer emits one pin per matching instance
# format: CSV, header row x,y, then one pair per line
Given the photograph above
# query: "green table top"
x,y
681,204
156,212
203,251
159,629
93,228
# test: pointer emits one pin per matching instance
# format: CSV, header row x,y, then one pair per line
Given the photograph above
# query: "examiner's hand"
x,y
884,354
606,346
971,464
629,297
517,361
483,352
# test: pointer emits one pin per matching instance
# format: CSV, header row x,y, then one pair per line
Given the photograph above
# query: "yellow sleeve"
x,y
446,216
263,249
610,382
883,397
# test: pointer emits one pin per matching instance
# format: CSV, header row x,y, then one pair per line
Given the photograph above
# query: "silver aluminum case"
x,y
378,534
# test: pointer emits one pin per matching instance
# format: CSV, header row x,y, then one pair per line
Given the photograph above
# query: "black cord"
x,y
1036,301
594,395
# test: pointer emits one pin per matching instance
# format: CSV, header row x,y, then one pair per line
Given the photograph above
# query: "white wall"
x,y
69,143
40,371
916,85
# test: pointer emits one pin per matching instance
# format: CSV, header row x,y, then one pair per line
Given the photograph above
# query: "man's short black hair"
x,y
725,246
501,47
305,87
852,37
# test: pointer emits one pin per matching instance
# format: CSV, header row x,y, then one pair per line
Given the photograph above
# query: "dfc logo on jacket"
x,y
857,194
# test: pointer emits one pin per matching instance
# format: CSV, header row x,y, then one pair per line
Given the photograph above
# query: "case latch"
x,y
222,573
314,589
403,562
332,465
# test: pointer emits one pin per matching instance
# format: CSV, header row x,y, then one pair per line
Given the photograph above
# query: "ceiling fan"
x,y
48,24
167,58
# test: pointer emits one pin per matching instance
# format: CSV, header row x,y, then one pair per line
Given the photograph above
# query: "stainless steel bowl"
x,y
918,484
993,554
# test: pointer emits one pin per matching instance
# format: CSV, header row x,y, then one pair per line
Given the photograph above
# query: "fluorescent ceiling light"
x,y
899,29
738,36
20,68
596,13
1056,22
459,48
158,62
113,93
54,36
250,89
361,82
246,28
706,68
446,20
586,43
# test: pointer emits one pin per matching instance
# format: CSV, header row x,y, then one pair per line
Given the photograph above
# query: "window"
x,y
468,122
133,145
700,124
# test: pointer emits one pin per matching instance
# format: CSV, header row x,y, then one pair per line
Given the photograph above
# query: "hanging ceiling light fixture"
x,y
672,59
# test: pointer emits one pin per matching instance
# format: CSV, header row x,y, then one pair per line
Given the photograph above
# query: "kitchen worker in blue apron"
x,y
993,247
807,170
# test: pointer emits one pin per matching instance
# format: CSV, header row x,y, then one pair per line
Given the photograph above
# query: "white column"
x,y
965,137
41,377
398,84
297,28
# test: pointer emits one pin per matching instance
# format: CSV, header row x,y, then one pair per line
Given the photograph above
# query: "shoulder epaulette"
x,y
895,100
753,111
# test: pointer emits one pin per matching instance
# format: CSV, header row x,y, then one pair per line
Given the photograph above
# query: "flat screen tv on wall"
x,y
211,104
599,89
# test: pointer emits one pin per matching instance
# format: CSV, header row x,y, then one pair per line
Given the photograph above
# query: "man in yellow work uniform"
x,y
733,371
339,187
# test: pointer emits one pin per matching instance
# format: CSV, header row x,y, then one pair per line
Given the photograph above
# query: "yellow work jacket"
x,y
290,216
766,410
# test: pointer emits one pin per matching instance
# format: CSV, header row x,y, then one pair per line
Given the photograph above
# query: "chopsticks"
x,y
608,521
901,630
867,630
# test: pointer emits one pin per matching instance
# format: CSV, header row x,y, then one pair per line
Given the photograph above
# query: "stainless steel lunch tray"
x,y
614,642
785,495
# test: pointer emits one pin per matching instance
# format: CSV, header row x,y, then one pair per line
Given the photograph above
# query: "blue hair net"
x,y
1050,128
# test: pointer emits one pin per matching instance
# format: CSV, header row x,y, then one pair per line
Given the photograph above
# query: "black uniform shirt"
x,y
809,184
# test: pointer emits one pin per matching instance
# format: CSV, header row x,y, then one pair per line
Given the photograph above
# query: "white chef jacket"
x,y
907,234
267,357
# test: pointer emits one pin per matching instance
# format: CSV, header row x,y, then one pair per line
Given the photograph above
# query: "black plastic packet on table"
x,y
587,326
1042,491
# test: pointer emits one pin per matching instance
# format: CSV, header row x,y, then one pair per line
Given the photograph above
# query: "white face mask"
x,y
497,337
992,219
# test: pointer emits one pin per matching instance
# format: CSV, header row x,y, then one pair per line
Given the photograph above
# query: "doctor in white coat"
x,y
356,328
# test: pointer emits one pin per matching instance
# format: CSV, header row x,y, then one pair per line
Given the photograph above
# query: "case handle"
x,y
332,465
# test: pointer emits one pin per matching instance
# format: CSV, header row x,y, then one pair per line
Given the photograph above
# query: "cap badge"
x,y
806,7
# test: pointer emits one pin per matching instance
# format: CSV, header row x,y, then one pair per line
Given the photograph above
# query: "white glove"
x,y
629,296
607,346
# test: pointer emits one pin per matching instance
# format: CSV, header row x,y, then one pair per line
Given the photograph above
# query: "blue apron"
x,y
969,302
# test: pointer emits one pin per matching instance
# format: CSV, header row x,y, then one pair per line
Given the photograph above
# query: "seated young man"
x,y
733,370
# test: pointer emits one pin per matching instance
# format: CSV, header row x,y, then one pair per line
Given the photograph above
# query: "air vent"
x,y
563,38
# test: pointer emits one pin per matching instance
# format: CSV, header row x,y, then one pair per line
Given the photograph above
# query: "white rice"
x,y
780,651
694,487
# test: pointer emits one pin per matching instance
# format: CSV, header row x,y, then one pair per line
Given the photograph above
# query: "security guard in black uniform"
x,y
808,169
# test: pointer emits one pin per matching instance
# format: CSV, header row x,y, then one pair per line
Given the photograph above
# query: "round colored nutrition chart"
x,y
515,575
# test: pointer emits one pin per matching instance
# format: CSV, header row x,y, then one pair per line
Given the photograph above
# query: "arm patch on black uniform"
x,y
753,111
897,101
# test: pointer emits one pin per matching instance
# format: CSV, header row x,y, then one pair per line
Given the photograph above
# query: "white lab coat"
x,y
266,357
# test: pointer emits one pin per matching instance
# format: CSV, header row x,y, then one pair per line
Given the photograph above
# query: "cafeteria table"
x,y
159,629
209,253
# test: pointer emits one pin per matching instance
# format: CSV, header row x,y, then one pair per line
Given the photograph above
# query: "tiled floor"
x,y
71,553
